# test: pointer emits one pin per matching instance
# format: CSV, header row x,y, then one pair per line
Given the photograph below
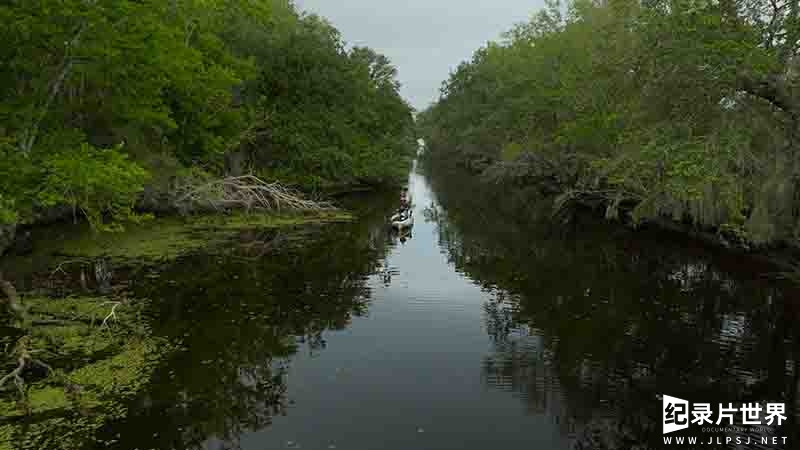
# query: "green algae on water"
x,y
168,238
94,370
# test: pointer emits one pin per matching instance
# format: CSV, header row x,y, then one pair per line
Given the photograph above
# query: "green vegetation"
x,y
94,366
110,111
168,238
671,109
93,182
106,104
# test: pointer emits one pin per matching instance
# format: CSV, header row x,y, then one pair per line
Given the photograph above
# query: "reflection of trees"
x,y
590,328
240,315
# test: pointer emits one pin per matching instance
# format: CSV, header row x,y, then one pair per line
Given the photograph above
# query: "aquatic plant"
x,y
97,355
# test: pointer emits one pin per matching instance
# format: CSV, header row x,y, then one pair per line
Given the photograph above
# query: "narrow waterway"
x,y
420,370
471,333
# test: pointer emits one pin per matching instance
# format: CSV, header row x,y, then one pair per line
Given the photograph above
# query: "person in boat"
x,y
405,203
404,211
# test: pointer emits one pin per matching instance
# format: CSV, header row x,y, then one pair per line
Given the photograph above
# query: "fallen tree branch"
x,y
60,267
16,375
246,192
112,314
24,359
612,198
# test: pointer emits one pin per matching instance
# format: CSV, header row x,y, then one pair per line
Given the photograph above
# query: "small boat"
x,y
400,221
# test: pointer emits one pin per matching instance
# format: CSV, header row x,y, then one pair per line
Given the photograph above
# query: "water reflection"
x,y
402,236
483,327
240,315
590,330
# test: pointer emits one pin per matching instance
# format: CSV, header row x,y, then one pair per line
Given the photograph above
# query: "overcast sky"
x,y
425,39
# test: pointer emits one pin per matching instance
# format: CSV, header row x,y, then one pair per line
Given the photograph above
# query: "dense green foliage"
x,y
668,108
94,95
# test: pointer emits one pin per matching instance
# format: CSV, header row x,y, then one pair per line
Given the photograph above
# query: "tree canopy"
x,y
141,90
683,109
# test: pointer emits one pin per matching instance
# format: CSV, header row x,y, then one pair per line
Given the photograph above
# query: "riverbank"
x,y
160,239
542,202
783,256
230,199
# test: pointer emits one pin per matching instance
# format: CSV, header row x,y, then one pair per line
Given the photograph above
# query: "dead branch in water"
x,y
61,266
246,192
112,314
16,376
610,198
24,359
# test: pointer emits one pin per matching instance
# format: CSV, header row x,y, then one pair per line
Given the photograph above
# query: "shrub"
x,y
100,184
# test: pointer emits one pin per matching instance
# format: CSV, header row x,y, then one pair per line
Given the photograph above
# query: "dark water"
x,y
478,331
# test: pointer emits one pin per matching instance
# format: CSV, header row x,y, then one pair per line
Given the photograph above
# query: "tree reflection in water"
x,y
240,314
590,322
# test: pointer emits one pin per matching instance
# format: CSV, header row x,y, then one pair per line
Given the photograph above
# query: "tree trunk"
x,y
30,135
